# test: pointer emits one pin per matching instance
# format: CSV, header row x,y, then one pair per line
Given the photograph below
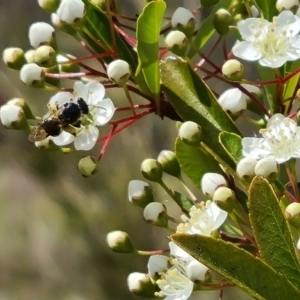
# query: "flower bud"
x,y
140,193
210,182
169,162
245,168
71,11
119,242
22,103
292,213
176,41
184,21
41,33
152,170
29,56
222,20
65,66
224,197
14,58
141,285
32,75
118,71
268,168
254,11
56,22
190,133
233,70
49,5
45,56
155,213
208,3
291,5
13,117
87,166
157,264
233,101
196,271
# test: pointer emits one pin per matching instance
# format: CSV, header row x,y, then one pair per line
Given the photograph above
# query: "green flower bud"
x,y
45,56
292,213
14,58
233,70
176,41
183,20
141,285
155,213
152,170
140,193
224,197
22,103
190,133
87,166
169,163
222,20
49,5
29,56
119,242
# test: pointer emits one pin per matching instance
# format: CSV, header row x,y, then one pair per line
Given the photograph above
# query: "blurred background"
x,y
53,222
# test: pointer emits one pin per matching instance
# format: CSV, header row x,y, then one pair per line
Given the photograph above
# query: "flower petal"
x,y
80,90
61,98
87,138
103,112
63,139
246,51
96,92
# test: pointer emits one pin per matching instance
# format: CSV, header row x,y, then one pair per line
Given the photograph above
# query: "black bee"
x,y
64,118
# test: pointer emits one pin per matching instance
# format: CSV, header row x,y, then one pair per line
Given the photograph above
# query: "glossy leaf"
x,y
268,8
271,231
194,162
148,34
248,272
194,101
232,143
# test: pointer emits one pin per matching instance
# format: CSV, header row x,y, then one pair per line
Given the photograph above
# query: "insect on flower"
x,y
67,117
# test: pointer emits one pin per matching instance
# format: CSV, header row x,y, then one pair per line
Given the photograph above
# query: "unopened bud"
x,y
56,22
292,213
169,163
268,168
190,133
140,193
176,41
245,168
196,271
152,170
118,71
233,70
87,166
222,20
119,242
184,21
41,33
155,213
291,5
210,182
49,5
45,56
13,117
22,103
71,11
14,58
233,101
224,197
65,66
32,75
29,56
141,285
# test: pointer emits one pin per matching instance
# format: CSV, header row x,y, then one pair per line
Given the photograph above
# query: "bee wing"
x,y
37,134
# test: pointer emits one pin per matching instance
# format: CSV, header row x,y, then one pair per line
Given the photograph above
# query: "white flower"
x,y
280,140
101,111
203,220
70,11
272,43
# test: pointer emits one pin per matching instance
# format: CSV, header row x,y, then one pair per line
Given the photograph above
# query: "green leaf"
x,y
207,29
148,34
183,202
268,8
194,162
248,272
271,231
232,143
96,31
194,101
